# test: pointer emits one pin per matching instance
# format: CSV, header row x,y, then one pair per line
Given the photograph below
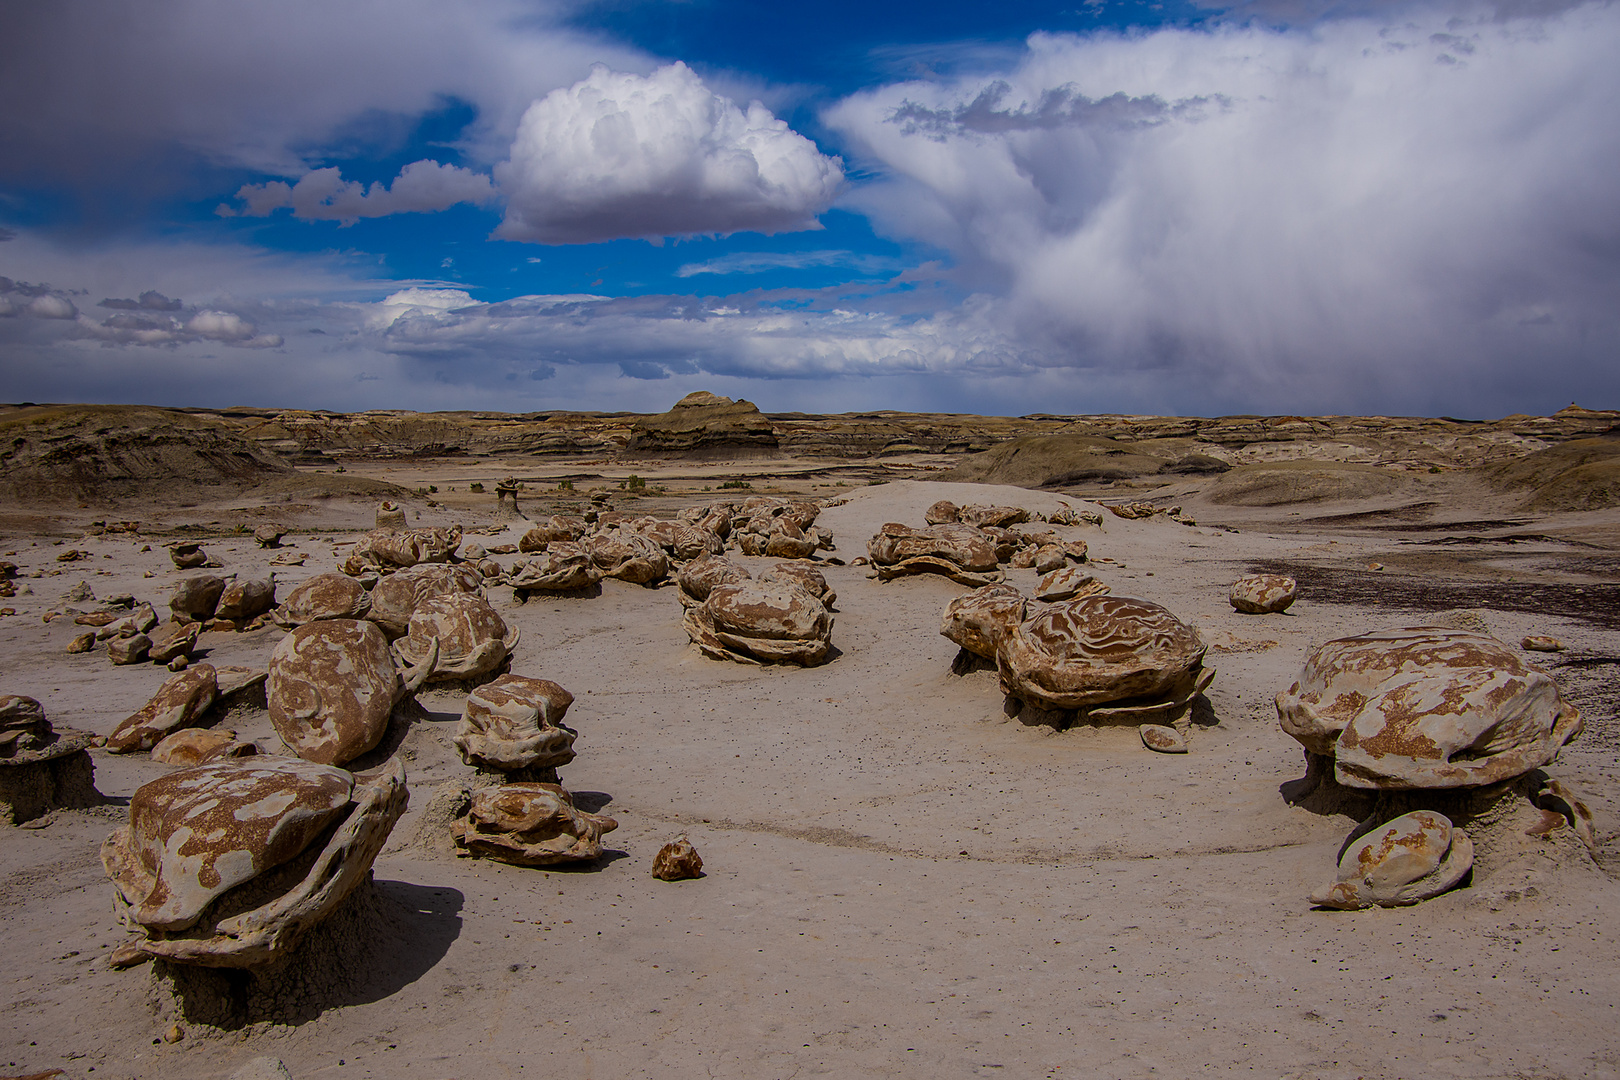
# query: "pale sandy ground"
x,y
899,880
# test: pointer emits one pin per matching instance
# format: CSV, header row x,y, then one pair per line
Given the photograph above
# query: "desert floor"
x,y
899,880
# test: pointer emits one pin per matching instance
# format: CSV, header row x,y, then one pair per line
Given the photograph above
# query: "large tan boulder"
x,y
960,552
467,636
529,825
333,686
698,578
324,596
388,548
246,598
1263,594
627,555
178,703
1426,707
980,620
396,597
515,723
219,864
1130,655
1404,861
563,567
758,622
559,528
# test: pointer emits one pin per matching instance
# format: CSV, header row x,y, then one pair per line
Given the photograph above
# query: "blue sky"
x,y
1281,206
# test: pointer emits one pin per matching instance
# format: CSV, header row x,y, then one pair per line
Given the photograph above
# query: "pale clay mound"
x,y
897,879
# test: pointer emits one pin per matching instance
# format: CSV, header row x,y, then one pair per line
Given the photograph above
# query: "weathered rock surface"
x,y
677,861
178,703
198,746
960,552
700,577
467,637
563,567
396,597
1067,583
222,865
758,622
1404,861
196,597
333,686
1163,738
128,649
246,598
1263,594
516,723
530,825
802,576
42,768
627,555
559,528
324,596
980,620
1426,707
392,548
171,640
1119,651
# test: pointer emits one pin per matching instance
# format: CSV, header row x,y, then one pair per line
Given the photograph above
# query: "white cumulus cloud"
x,y
625,155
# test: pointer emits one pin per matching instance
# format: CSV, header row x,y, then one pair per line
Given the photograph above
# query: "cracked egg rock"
x,y
1426,707
1412,858
333,686
227,865
1097,650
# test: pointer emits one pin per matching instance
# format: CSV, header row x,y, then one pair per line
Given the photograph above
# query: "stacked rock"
x,y
1433,721
512,732
42,768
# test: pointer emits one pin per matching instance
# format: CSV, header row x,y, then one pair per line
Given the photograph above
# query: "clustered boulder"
x,y
781,617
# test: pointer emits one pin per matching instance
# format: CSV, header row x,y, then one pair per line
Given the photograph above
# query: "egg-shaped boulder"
x,y
468,637
980,620
324,596
756,622
960,552
698,578
627,555
1426,707
515,723
1412,858
230,864
333,686
1116,651
396,597
1263,594
562,567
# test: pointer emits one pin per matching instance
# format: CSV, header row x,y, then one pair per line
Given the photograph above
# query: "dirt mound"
x,y
1036,461
703,423
114,452
1579,475
1283,483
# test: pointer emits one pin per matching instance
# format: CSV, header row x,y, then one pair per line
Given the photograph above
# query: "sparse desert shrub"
x,y
735,485
475,486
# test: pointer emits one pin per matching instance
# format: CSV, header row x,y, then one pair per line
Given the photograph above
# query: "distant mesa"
x,y
706,425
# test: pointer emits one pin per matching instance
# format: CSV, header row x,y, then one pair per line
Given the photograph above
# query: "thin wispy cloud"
x,y
763,262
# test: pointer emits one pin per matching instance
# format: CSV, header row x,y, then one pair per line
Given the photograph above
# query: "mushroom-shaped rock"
x,y
42,768
529,825
700,577
960,552
943,512
1129,654
178,703
1404,861
468,636
677,861
324,596
196,597
628,556
562,568
1067,583
269,536
198,746
759,622
1426,707
808,578
396,597
229,864
980,620
516,723
390,516
1263,594
188,556
333,686
246,598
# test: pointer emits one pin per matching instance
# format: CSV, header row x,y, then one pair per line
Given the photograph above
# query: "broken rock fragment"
x,y
196,597
178,703
42,767
677,861
198,746
1404,861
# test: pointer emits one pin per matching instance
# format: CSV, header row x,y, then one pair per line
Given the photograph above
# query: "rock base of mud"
x,y
33,789
344,960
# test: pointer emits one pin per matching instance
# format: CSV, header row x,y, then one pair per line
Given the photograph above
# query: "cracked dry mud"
x,y
898,879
